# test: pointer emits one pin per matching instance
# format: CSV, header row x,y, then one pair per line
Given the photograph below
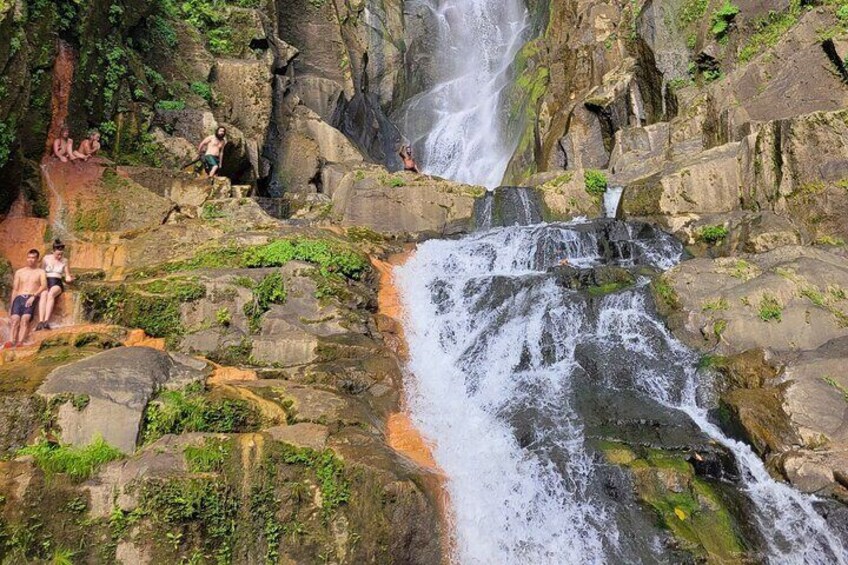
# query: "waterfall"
x,y
513,375
456,126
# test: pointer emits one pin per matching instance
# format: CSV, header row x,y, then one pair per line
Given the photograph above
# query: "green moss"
x,y
79,463
608,288
595,182
191,410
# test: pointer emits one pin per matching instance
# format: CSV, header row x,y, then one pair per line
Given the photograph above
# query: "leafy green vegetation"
x,y
722,19
270,290
190,410
153,306
223,317
204,90
712,234
211,211
769,30
665,293
7,141
770,308
692,11
209,504
330,471
79,463
329,257
595,182
171,105
207,457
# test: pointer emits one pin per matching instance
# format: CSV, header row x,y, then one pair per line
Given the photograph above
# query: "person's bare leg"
x,y
52,294
42,307
213,171
13,329
22,333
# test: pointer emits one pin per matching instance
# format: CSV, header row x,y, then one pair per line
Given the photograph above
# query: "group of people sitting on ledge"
x,y
35,291
63,146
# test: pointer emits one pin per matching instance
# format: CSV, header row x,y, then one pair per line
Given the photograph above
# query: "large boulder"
x,y
399,203
791,298
106,394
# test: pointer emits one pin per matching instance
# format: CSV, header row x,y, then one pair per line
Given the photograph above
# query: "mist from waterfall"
x,y
457,126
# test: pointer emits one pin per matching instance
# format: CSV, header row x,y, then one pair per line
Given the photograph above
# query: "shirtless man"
x,y
212,149
88,147
408,162
63,146
30,281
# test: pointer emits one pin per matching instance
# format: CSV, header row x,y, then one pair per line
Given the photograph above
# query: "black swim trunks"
x,y
19,307
55,281
210,162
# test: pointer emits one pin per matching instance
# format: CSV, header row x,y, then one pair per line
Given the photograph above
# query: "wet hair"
x,y
34,252
219,128
58,245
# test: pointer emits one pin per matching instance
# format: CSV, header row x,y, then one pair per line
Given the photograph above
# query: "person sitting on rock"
x,y
28,284
63,146
56,268
88,147
212,150
408,161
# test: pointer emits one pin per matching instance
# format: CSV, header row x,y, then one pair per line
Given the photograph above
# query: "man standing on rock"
x,y
29,283
212,149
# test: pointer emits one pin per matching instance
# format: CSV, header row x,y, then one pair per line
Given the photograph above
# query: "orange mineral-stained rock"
x,y
405,438
137,338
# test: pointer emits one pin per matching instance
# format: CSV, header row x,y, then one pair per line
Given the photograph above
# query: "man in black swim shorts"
x,y
30,281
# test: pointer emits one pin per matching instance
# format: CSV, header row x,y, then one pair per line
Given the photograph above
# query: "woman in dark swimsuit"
x,y
56,267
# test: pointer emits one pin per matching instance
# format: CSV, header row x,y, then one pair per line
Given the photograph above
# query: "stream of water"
x,y
513,376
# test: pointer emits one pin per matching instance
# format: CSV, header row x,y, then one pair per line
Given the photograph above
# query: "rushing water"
x,y
457,126
513,375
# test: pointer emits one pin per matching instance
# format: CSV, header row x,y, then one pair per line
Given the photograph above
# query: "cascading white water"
x,y
499,370
457,126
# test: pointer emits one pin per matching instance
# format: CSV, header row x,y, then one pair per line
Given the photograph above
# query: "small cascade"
x,y
508,206
612,201
516,373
